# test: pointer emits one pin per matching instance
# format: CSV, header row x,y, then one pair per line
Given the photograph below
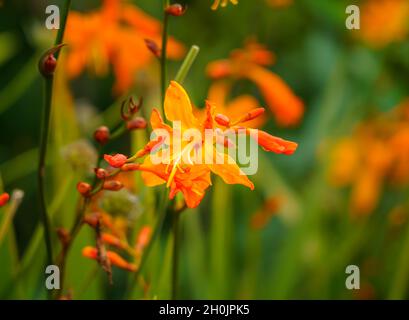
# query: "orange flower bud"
x,y
101,135
222,120
100,173
130,167
136,123
153,47
84,188
118,261
114,258
4,198
90,252
175,10
113,185
113,240
116,161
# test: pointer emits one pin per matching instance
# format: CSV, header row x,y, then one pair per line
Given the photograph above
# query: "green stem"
x,y
400,281
163,59
187,64
175,256
45,125
60,35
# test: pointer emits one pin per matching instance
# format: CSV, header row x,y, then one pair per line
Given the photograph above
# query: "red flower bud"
x,y
4,198
136,123
48,62
113,185
222,120
175,10
153,47
116,161
84,188
101,135
100,173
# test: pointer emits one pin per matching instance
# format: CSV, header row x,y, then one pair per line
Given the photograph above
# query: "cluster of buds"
x,y
108,236
86,190
129,108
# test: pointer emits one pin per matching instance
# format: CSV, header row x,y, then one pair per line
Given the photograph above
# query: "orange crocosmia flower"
x,y
192,177
384,22
114,258
4,198
222,3
218,94
114,35
250,63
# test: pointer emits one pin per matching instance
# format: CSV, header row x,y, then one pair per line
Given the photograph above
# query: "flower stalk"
x,y
176,251
163,62
187,64
46,64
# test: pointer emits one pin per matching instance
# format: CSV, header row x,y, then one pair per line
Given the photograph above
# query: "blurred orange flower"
x,y
250,63
189,177
115,34
376,153
384,21
222,3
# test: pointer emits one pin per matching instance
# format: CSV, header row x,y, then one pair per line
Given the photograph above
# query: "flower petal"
x,y
272,143
178,106
225,167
